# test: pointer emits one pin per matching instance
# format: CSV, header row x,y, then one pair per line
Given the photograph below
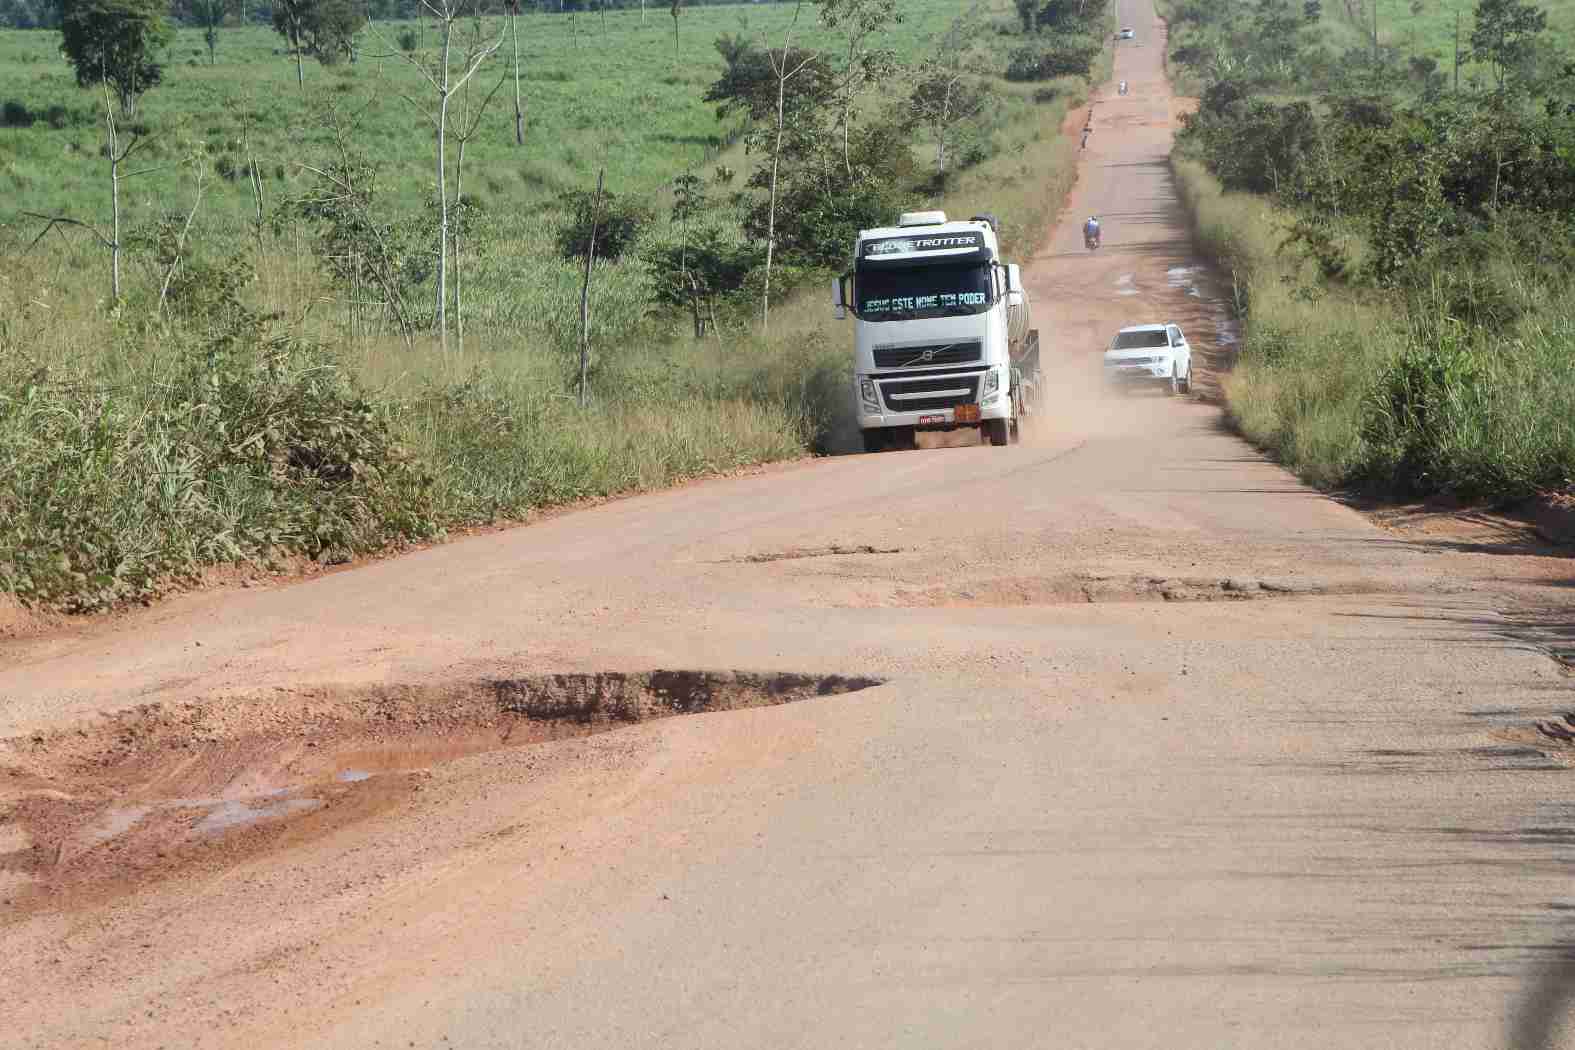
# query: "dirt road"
x,y
1117,738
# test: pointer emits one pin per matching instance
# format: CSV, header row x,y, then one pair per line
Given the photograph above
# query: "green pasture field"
x,y
1426,28
620,98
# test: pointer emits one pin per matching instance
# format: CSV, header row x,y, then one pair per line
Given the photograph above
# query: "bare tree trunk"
x,y
783,76
847,107
180,242
459,227
771,211
114,197
585,295
519,111
442,194
256,179
300,74
642,12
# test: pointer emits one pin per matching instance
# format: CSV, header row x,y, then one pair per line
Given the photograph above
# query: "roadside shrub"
x,y
228,450
408,40
618,222
14,114
1072,57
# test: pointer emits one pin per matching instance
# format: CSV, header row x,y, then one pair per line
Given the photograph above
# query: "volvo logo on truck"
x,y
941,337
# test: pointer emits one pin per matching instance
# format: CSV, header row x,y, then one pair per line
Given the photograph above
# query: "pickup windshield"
x,y
1141,340
912,294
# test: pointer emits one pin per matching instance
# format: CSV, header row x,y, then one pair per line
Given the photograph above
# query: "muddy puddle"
x,y
139,794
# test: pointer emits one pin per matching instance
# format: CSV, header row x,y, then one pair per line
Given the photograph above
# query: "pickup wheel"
x,y
998,431
874,439
1186,380
1175,381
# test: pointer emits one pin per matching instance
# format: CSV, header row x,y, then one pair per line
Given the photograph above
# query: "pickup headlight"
x,y
867,393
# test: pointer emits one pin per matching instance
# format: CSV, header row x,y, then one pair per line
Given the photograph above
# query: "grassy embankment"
x,y
1458,377
137,449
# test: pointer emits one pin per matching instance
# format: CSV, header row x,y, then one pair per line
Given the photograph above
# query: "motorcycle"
x,y
1091,241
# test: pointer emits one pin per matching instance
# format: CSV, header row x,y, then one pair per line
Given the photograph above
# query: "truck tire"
x,y
998,431
874,439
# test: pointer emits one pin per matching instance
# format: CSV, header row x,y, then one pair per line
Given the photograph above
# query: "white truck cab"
x,y
941,337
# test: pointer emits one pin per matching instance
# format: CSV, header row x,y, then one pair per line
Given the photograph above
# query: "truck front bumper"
x,y
937,418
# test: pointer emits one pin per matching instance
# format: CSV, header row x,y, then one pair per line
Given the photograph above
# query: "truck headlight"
x,y
992,387
867,392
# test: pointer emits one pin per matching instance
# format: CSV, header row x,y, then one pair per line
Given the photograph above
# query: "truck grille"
x,y
927,395
932,354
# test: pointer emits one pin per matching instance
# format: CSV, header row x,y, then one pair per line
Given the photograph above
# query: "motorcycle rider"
x,y
1091,231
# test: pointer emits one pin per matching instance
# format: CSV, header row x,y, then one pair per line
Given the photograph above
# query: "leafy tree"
x,y
117,43
864,66
325,29
948,99
1505,35
210,15
748,84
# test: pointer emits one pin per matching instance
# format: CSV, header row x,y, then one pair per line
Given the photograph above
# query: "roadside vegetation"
x,y
1399,226
228,333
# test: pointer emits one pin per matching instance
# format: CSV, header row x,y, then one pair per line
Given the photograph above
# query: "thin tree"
x,y
780,64
519,110
116,156
585,294
445,81
469,121
289,19
678,9
948,95
858,21
199,174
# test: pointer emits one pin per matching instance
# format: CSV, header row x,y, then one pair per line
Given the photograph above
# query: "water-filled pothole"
x,y
142,792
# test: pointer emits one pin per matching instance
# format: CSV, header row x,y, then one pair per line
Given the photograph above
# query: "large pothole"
x,y
1083,589
143,792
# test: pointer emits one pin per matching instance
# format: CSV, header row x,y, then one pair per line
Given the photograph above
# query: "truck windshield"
x,y
923,291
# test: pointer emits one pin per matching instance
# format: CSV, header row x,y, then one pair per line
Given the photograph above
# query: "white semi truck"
x,y
941,335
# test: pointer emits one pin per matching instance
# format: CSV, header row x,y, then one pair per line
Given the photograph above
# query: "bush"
x,y
409,40
14,114
618,221
1072,57
228,450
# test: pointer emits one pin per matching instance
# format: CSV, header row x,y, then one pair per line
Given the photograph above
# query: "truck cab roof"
x,y
932,242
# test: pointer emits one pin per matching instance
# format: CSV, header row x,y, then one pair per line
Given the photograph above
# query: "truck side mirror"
x,y
1014,285
839,297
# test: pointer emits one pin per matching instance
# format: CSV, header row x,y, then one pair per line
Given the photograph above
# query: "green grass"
x,y
623,100
1427,28
1349,388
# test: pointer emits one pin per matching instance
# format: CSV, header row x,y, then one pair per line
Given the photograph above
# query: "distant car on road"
x,y
1127,33
1149,354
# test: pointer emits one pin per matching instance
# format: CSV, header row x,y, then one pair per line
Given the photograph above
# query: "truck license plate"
x,y
925,421
967,413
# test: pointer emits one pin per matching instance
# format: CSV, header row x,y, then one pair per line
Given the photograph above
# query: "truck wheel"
x,y
1186,380
874,439
1175,381
998,431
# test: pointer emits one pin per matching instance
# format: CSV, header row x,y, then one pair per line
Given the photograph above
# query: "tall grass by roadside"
x,y
1396,394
